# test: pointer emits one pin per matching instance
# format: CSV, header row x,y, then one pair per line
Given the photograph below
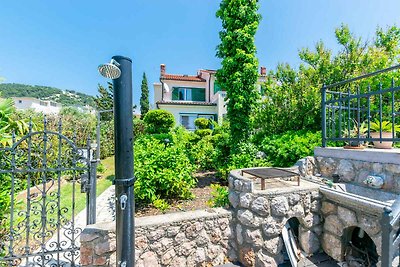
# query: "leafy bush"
x,y
247,156
161,204
203,132
165,138
219,196
101,168
138,127
285,149
202,153
158,121
202,123
106,139
162,171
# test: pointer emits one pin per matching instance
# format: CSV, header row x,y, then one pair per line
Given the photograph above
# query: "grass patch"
x,y
103,182
69,188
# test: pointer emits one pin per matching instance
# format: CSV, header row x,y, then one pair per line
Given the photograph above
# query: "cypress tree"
x,y
239,72
105,100
144,98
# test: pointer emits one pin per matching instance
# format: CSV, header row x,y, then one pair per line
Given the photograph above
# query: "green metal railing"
x,y
349,107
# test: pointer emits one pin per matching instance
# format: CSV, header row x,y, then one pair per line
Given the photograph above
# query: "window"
x,y
217,88
20,101
43,103
53,104
189,94
187,120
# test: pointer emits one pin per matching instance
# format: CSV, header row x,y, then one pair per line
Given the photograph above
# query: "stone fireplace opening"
x,y
294,225
359,248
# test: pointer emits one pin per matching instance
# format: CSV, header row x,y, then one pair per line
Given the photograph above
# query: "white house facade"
x,y
189,97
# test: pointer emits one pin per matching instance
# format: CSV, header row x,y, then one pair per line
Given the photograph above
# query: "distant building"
x,y
44,106
189,97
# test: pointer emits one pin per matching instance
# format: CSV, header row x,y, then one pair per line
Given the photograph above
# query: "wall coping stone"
x,y
163,219
305,186
391,156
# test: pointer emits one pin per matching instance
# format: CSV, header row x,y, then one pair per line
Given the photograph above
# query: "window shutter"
x,y
199,94
175,93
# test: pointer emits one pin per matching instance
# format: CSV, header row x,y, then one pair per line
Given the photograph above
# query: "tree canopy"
x,y
105,100
292,95
65,98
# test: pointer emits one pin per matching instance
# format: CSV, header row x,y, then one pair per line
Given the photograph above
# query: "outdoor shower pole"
x,y
124,179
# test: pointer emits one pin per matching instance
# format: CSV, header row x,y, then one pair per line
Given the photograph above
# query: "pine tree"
x,y
144,98
238,75
105,100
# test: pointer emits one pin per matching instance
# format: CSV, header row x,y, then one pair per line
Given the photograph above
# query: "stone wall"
x,y
195,238
338,221
355,166
259,217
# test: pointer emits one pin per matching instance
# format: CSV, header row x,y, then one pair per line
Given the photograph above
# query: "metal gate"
x,y
48,181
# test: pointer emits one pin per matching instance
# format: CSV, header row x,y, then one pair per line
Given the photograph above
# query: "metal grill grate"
x,y
269,173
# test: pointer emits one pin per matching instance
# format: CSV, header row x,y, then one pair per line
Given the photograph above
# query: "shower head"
x,y
110,70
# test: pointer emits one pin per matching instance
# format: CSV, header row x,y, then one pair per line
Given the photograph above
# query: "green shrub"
x,y
158,121
203,132
202,154
138,127
100,168
285,149
162,171
165,138
219,196
202,123
106,139
161,204
247,157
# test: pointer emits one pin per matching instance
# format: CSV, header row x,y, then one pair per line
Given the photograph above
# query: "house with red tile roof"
x,y
189,97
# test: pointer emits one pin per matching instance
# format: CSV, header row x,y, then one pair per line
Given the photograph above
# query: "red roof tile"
x,y
182,78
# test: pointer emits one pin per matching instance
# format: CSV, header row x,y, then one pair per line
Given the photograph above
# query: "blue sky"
x,y
61,43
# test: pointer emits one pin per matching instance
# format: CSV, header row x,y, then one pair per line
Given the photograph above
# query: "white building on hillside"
x,y
44,106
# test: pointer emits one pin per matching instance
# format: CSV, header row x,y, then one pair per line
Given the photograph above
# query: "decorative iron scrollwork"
x,y
39,228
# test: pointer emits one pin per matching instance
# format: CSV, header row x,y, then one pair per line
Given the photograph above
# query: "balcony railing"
x,y
354,108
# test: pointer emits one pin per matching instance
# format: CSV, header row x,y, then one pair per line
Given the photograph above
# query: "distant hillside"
x,y
65,98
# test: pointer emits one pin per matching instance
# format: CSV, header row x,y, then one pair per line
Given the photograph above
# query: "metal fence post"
x,y
323,115
387,238
91,219
124,178
98,136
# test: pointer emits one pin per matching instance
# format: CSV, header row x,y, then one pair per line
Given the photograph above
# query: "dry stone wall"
x,y
338,224
259,217
196,238
356,166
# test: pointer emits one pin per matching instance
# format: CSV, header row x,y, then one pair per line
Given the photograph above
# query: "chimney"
x,y
162,69
263,71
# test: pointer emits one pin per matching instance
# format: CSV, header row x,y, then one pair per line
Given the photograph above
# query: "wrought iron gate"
x,y
47,174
